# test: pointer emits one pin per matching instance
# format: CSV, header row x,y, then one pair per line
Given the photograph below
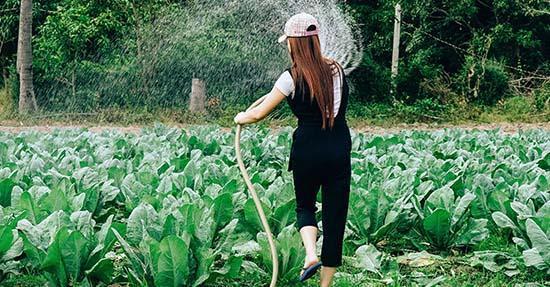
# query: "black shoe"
x,y
309,271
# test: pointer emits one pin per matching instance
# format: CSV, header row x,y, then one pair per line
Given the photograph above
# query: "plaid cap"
x,y
297,26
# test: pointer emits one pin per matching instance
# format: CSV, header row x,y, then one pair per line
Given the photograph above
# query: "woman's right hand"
x,y
239,118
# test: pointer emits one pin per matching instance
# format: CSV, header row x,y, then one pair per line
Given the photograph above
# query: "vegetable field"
x,y
168,207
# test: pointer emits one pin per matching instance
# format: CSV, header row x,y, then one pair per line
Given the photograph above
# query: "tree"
x,y
27,101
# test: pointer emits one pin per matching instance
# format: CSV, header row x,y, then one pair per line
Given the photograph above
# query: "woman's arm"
x,y
262,110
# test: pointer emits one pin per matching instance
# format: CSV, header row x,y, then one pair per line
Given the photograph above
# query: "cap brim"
x,y
281,39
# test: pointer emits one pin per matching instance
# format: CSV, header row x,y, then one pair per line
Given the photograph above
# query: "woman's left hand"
x,y
239,118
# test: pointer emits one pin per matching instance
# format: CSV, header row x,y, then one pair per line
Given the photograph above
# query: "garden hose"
x,y
256,199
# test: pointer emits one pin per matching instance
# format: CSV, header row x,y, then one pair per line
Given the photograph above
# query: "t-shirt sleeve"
x,y
285,84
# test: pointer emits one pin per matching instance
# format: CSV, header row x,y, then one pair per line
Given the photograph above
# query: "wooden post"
x,y
198,95
395,53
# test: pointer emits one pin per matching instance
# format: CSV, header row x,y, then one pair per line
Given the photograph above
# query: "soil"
x,y
14,127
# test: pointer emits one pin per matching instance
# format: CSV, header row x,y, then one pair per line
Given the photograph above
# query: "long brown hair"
x,y
309,66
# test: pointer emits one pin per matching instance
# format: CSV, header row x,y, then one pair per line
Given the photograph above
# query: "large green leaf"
x,y
368,258
495,261
538,239
103,270
56,200
437,225
74,251
461,207
138,267
442,198
498,200
42,234
472,232
289,250
189,213
284,215
251,214
533,257
205,257
34,255
206,226
378,204
172,267
223,209
53,262
545,162
6,238
502,221
542,217
14,248
27,203
6,186
143,220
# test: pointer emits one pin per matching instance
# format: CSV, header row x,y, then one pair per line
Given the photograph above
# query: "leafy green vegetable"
x,y
168,207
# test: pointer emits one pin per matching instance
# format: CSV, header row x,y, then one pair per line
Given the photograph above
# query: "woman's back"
x,y
312,145
305,108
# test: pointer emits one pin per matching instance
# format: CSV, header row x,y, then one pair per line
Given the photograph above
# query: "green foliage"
x,y
91,55
76,31
518,106
542,97
506,32
9,26
447,222
74,34
168,207
485,83
529,227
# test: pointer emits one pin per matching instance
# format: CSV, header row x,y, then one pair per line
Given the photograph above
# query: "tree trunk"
x,y
27,101
198,95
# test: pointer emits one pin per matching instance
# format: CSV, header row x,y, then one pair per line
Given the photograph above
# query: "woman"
x,y
320,152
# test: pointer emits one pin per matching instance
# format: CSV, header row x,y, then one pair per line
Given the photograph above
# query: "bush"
x,y
542,97
517,105
482,82
494,85
370,81
419,68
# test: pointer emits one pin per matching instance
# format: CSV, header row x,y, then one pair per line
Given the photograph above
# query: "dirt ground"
x,y
505,127
14,127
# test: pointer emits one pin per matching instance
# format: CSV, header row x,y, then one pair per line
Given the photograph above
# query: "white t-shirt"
x,y
285,84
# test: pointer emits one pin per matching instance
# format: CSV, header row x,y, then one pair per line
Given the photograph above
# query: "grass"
x,y
452,271
513,110
24,280
6,104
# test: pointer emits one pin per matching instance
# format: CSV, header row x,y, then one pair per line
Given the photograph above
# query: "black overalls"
x,y
321,158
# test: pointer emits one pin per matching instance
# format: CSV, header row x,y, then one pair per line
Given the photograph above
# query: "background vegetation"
x,y
460,60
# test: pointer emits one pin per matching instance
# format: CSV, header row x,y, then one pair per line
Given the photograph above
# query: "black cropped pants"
x,y
322,161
